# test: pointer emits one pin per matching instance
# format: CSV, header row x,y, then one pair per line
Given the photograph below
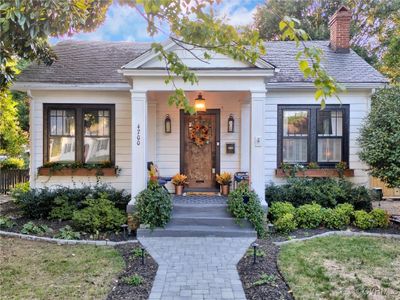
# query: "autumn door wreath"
x,y
199,133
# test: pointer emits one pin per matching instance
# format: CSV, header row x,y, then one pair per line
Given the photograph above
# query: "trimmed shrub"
x,y
327,192
346,208
154,206
99,215
278,209
12,163
39,203
286,223
252,210
309,216
363,220
335,218
380,218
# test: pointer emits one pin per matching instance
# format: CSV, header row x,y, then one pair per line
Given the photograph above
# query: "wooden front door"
x,y
200,149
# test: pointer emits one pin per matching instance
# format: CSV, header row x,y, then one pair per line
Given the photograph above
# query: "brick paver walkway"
x,y
196,268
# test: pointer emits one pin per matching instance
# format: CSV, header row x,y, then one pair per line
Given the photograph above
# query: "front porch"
x,y
173,152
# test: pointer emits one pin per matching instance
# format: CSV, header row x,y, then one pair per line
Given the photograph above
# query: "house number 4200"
x,y
138,135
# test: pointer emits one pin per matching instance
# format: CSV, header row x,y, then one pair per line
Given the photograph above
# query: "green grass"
x,y
342,268
36,270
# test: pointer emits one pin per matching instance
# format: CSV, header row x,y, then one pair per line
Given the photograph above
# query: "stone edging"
x,y
64,242
344,233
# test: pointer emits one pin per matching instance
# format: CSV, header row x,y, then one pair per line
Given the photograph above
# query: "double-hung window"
x,y
308,134
79,133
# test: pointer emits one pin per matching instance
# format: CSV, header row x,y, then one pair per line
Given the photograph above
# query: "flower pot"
x,y
179,190
224,190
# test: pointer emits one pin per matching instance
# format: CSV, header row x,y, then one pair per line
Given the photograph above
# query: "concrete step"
x,y
201,209
225,221
197,231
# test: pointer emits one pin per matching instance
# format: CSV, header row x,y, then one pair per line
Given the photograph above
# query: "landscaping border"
x,y
65,242
343,233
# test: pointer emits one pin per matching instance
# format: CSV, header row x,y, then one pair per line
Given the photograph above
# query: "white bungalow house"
x,y
107,101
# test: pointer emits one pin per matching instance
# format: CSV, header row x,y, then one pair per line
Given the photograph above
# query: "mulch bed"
x,y
249,273
9,209
134,266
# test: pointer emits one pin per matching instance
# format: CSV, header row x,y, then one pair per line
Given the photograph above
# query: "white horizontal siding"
x,y
122,102
359,107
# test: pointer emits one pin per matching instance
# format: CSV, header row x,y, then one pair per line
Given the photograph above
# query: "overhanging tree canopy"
x,y
26,24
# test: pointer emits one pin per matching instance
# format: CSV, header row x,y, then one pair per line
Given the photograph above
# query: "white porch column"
x,y
139,144
152,131
257,177
245,137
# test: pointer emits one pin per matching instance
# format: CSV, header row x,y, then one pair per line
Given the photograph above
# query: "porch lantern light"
x,y
167,124
231,124
200,103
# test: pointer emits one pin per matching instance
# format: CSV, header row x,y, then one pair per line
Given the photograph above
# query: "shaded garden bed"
x,y
134,269
251,275
12,211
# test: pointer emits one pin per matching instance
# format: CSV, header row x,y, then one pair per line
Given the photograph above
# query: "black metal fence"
x,y
9,178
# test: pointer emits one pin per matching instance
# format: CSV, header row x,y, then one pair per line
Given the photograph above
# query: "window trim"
x,y
79,133
312,139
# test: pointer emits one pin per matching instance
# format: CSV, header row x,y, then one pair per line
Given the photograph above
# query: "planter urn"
x,y
179,190
225,190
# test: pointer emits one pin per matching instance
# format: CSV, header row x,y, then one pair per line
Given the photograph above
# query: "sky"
x,y
125,24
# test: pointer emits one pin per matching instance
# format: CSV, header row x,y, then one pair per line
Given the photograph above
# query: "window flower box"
x,y
43,171
316,173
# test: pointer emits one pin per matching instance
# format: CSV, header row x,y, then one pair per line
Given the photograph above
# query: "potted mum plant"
x,y
179,181
224,179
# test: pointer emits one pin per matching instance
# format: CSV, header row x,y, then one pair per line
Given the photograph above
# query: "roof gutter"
x,y
310,85
25,86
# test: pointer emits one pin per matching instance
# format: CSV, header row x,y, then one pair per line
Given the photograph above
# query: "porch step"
x,y
201,210
197,231
199,219
190,220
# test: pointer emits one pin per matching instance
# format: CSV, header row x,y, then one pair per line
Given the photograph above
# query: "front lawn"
x,y
342,268
35,270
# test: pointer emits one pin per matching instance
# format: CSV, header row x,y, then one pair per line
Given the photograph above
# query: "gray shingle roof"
x,y
99,62
345,67
85,62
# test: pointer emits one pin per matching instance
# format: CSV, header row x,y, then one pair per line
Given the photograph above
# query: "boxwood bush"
x,y
154,206
309,216
279,209
339,217
326,192
252,210
286,223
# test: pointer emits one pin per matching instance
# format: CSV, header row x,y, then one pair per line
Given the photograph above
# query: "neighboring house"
x,y
107,101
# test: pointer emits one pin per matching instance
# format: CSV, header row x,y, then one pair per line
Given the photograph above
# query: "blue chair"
x,y
239,177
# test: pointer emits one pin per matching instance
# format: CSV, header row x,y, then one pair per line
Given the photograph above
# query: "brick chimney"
x,y
339,25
